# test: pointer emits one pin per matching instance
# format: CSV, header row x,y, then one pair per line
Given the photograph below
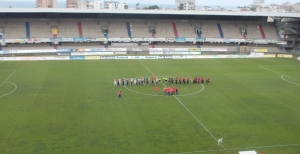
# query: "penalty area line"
x,y
246,148
187,109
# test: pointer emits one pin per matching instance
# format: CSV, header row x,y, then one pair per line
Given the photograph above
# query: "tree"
x,y
253,9
181,6
151,7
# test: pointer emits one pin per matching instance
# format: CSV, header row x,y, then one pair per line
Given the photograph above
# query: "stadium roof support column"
x,y
296,36
109,19
59,18
5,21
48,18
98,18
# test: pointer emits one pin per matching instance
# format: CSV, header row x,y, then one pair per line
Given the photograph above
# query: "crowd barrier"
x,y
134,57
128,39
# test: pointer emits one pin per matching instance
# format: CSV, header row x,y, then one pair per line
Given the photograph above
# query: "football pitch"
x,y
72,107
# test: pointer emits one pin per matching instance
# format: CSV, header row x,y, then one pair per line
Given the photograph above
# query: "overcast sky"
x,y
198,2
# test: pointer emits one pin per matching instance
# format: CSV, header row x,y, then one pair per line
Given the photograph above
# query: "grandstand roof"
x,y
138,14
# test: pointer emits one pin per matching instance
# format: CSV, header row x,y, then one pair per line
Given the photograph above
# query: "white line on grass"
x,y
281,75
247,148
289,81
7,78
187,110
198,121
16,87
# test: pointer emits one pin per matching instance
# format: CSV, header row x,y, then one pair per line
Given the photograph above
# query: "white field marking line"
x,y
7,78
16,87
198,121
187,110
272,146
289,81
277,73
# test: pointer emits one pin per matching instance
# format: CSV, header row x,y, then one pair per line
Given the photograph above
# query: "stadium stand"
x,y
164,30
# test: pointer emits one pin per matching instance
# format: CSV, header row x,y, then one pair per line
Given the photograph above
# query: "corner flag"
x,y
220,141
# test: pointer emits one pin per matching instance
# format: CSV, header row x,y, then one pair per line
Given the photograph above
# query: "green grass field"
x,y
71,107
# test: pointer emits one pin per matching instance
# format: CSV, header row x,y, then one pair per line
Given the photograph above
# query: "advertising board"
x,y
137,49
91,53
120,53
55,40
125,39
100,39
156,52
124,44
92,57
179,57
165,57
123,57
67,39
298,58
107,57
170,39
190,39
269,56
63,50
136,39
213,49
260,50
20,40
215,40
32,51
64,53
114,39
155,49
194,49
149,39
284,56
78,39
45,39
180,39
33,40
77,57
160,39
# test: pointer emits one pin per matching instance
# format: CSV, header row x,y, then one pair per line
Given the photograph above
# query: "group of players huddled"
x,y
147,80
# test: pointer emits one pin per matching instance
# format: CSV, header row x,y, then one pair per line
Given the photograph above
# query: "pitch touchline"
x,y
273,146
187,109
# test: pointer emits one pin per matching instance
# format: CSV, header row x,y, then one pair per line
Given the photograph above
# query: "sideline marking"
x,y
16,87
281,76
188,110
247,148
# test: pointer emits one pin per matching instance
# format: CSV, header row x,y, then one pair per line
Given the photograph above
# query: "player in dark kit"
x,y
207,80
119,93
